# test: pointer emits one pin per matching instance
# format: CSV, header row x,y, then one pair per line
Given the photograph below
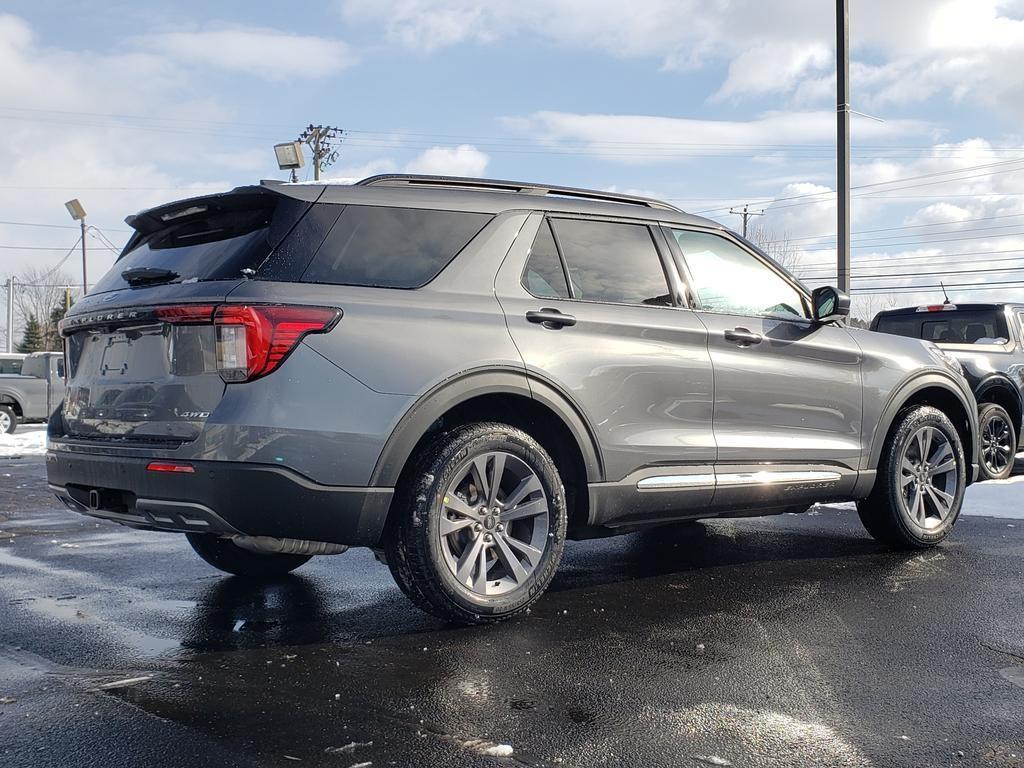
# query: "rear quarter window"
x,y
391,247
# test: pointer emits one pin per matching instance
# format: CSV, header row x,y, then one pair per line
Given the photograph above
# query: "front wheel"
x,y
921,481
998,442
225,555
479,525
8,420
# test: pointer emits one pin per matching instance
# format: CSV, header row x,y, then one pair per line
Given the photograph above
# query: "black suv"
x,y
988,340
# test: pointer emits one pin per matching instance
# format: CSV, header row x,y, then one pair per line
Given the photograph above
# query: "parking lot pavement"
x,y
784,641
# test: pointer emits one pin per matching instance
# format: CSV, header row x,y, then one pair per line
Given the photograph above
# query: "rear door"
x,y
594,313
788,392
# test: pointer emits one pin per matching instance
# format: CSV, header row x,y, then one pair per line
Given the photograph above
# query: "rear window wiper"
x,y
148,275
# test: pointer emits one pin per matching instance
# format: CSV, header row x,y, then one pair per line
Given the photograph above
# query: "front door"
x,y
788,391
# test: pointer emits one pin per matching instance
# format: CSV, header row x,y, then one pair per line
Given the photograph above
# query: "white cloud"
x,y
639,139
904,51
267,53
463,160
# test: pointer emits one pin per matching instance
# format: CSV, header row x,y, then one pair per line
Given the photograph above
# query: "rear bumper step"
x,y
225,498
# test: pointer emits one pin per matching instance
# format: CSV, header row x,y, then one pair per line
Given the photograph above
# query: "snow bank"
x,y
27,441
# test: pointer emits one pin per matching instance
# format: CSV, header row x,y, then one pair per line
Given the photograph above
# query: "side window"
x,y
729,279
611,262
1020,325
392,247
543,276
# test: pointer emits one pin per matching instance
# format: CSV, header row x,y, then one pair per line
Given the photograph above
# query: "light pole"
x,y
78,214
843,145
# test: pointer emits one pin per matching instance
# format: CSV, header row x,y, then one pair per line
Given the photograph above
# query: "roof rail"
x,y
497,185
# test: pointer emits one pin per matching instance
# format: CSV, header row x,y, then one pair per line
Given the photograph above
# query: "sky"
x,y
709,104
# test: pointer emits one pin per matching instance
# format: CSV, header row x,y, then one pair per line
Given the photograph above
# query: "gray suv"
x,y
461,374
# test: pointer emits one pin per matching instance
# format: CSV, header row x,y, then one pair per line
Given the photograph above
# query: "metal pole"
x,y
10,314
85,278
316,154
843,144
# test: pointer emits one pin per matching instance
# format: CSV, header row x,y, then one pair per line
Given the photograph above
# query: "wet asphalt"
x,y
783,641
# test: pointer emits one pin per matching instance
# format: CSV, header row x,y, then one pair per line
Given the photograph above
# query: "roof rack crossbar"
x,y
497,185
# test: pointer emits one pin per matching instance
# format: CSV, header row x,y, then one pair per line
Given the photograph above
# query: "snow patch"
x,y
27,441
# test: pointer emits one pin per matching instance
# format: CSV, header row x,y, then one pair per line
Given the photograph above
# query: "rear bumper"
x,y
219,497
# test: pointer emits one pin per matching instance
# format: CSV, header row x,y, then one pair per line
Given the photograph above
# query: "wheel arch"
x,y
9,398
939,392
1000,390
511,397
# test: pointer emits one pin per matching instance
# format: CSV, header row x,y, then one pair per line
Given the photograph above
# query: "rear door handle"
x,y
550,318
742,337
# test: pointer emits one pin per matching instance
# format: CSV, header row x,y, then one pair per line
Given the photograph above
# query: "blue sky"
x,y
708,104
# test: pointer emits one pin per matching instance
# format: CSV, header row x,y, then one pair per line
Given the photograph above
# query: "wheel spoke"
x,y
509,559
456,504
480,582
942,469
942,452
464,569
917,505
527,486
497,472
528,509
448,526
942,500
531,553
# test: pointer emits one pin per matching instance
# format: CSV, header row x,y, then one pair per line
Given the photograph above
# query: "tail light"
x,y
253,340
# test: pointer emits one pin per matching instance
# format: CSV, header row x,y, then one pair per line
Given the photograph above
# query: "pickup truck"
x,y
33,394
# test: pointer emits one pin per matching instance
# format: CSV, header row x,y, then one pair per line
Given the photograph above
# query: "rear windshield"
x,y
391,247
10,365
214,247
949,327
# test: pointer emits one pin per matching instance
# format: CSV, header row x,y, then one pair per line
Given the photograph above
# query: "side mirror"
x,y
829,304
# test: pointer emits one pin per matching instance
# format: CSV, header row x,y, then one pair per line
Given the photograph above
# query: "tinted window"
x,y
609,262
949,326
210,248
729,279
391,247
543,276
8,365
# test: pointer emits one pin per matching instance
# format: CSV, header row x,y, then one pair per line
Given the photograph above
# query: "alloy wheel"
x,y
5,422
494,524
996,450
929,477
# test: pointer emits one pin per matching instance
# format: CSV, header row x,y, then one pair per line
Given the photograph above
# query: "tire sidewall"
x,y
13,420
914,420
987,412
428,508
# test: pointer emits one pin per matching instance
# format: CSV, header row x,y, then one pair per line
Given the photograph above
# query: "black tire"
x,y
413,541
9,422
993,420
225,555
884,513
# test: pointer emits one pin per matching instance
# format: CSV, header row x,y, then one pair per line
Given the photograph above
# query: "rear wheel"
x,y
479,526
998,442
8,420
921,481
227,556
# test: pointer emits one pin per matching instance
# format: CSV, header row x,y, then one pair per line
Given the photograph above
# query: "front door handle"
x,y
742,337
550,318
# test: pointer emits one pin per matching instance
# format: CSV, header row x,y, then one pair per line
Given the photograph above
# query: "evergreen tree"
x,y
33,340
53,342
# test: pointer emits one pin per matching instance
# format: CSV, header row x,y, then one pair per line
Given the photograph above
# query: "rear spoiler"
x,y
252,197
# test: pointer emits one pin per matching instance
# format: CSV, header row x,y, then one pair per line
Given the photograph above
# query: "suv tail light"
x,y
253,340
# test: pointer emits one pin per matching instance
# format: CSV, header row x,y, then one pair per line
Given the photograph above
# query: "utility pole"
x,y
843,144
746,213
85,277
78,214
323,140
10,314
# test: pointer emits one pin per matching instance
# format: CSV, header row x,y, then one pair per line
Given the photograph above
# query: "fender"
x,y
907,389
448,394
998,380
9,396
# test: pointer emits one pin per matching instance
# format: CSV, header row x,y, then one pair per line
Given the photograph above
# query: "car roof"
x,y
452,193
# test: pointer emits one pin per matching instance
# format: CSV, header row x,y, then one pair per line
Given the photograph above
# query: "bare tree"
x,y
779,246
866,305
38,292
